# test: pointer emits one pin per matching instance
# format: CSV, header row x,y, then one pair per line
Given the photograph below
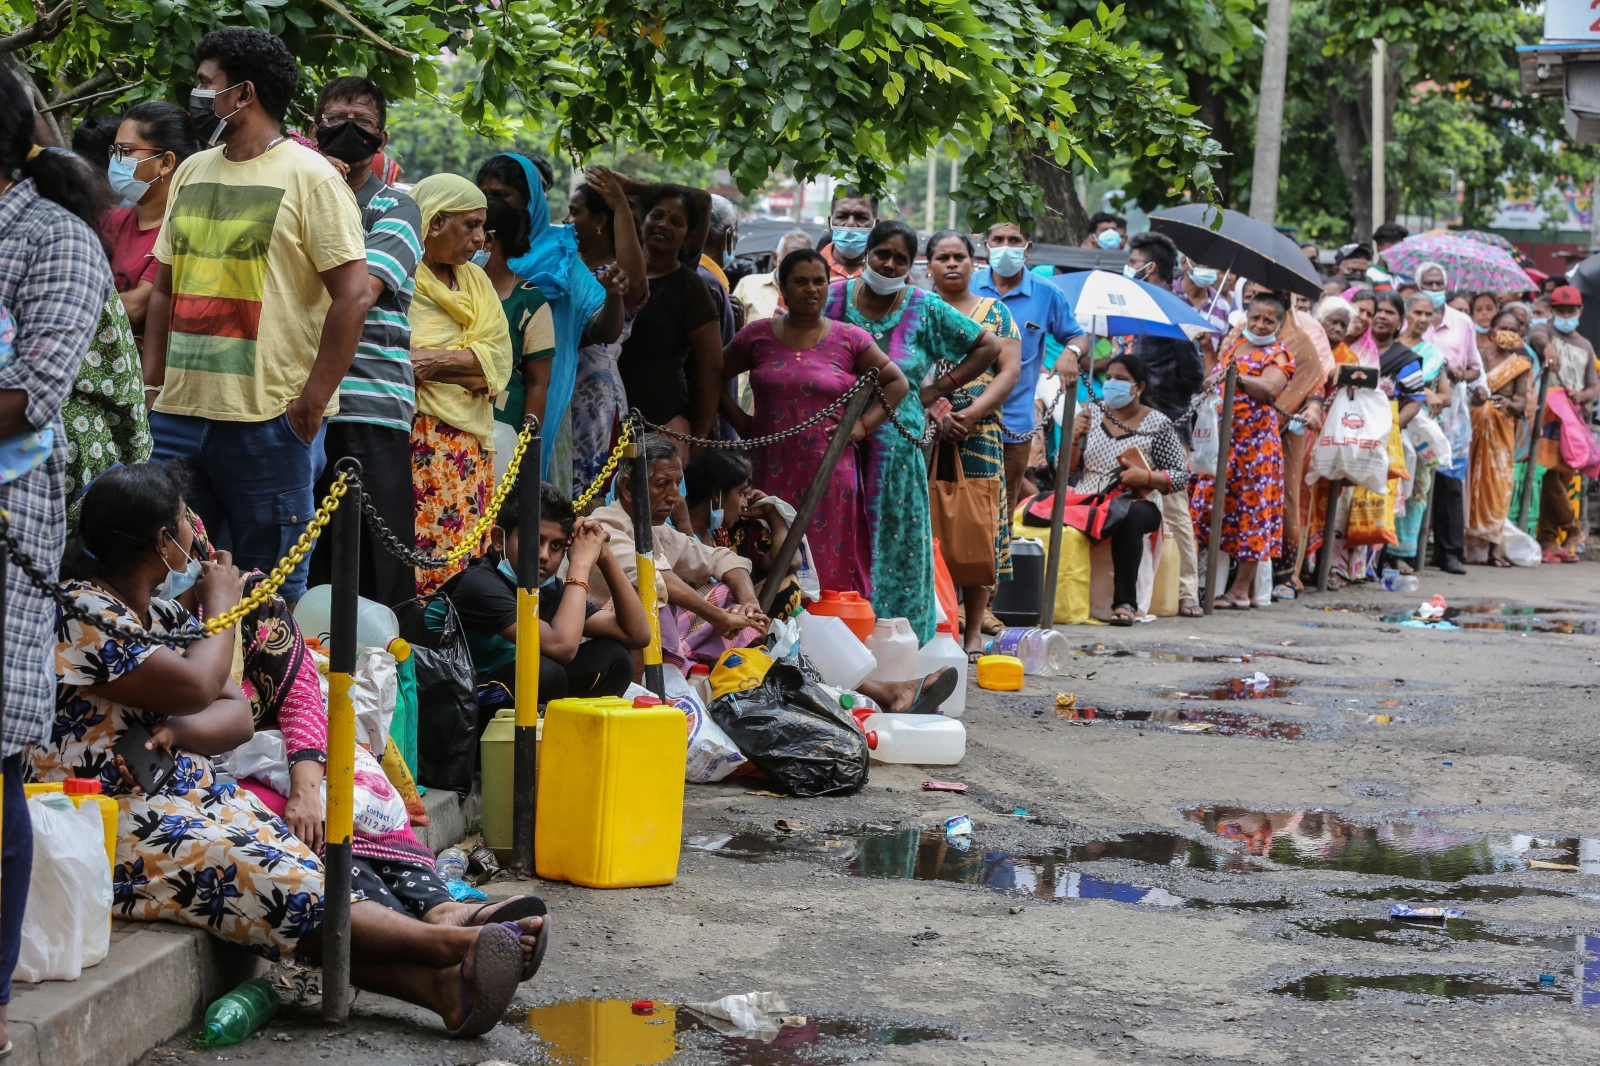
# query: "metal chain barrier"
x,y
624,442
865,381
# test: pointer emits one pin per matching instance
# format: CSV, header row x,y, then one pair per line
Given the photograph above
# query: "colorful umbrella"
x,y
1481,236
1110,305
1471,264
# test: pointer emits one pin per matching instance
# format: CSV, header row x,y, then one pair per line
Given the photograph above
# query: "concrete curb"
x,y
155,983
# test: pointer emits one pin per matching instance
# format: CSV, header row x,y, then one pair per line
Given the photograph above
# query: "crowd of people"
x,y
202,311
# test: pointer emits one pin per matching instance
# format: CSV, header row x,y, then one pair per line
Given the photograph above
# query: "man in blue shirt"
x,y
1040,308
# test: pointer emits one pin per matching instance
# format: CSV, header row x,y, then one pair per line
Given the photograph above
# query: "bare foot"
x,y
895,696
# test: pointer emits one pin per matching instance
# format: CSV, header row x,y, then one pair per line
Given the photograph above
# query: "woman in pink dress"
x,y
799,363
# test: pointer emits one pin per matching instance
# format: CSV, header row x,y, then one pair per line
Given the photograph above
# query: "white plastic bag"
x,y
1354,442
1428,438
1203,459
711,756
67,924
1520,549
374,689
377,807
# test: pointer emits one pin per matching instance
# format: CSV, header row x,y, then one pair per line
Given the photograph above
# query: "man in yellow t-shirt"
x,y
258,305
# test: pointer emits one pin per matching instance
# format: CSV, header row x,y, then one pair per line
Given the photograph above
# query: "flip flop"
x,y
513,910
1223,603
1284,591
1121,616
930,696
1190,610
497,962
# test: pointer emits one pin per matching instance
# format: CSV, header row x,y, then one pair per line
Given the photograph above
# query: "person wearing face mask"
x,y
461,355
1452,330
852,218
248,360
1252,527
1041,312
723,513
917,330
1496,419
722,234
377,398
1104,433
584,651
1351,263
533,336
1571,358
1107,231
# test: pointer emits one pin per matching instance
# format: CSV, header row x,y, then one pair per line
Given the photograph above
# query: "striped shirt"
x,y
379,388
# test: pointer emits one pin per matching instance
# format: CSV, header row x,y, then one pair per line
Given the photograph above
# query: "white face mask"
x,y
881,285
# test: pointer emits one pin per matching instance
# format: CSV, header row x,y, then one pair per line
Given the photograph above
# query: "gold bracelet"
x,y
581,584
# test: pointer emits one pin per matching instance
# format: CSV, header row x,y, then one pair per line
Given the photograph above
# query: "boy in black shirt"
x,y
485,598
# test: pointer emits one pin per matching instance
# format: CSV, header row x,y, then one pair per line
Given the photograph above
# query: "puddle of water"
x,y
1323,840
928,855
1323,987
611,1032
1101,651
1434,937
1252,688
1245,724
1456,894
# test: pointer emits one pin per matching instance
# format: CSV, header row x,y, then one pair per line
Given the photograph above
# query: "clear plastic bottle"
x,y
239,1013
855,701
451,865
1042,651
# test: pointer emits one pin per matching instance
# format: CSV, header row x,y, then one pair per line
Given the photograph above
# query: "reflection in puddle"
x,y
610,1032
1433,937
1455,894
1245,724
1479,987
928,855
1323,840
1257,686
1508,618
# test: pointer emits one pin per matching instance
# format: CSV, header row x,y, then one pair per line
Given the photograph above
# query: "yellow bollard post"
x,y
526,775
341,774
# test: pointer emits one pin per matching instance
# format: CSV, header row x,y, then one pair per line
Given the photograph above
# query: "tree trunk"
x,y
1351,116
1065,221
1269,114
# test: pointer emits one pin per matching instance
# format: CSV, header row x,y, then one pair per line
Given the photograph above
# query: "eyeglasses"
x,y
120,154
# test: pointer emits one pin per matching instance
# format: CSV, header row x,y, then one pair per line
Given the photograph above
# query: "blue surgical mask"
x,y
1132,272
177,581
1261,340
1537,321
1565,325
1437,296
1006,261
480,258
1117,393
507,569
851,242
124,183
1480,329
727,259
1204,277
1109,239
716,518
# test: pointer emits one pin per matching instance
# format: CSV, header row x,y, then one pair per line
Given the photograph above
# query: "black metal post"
x,y
1525,499
343,611
1052,568
853,410
1219,486
525,797
1325,556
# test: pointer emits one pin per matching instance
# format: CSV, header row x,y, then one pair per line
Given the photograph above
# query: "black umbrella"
x,y
1246,246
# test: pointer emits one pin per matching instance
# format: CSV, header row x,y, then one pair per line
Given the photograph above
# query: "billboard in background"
x,y
1571,20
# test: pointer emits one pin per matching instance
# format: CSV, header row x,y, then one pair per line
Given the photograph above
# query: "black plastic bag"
x,y
796,734
447,698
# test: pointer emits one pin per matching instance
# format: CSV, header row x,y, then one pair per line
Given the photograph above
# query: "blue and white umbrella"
x,y
1111,305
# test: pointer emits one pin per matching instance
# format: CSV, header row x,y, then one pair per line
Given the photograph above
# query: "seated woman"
x,y
726,512
583,650
202,851
1106,431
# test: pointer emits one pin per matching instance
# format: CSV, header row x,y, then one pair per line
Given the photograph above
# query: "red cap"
x,y
643,1006
699,668
81,786
872,740
647,701
1566,296
945,627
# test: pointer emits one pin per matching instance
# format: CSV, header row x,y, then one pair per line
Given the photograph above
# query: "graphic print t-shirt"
x,y
246,243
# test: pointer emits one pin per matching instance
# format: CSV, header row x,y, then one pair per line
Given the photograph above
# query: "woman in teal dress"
x,y
916,329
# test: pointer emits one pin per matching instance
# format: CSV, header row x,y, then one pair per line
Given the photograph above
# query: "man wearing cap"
x,y
1570,356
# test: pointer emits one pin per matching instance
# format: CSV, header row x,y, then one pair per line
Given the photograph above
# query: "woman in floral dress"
x,y
199,850
916,329
105,414
1252,521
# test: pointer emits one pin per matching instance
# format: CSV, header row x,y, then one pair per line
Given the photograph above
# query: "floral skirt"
x,y
206,853
452,479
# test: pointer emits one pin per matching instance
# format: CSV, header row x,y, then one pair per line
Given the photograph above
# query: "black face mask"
x,y
348,142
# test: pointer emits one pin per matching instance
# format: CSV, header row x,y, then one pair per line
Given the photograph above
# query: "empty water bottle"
x,y
1042,651
451,865
240,1013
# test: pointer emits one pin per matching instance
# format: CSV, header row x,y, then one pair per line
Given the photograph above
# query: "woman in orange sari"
x,y
1494,436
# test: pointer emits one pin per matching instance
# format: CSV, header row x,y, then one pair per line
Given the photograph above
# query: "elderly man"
x,y
1453,334
758,294
727,608
1570,356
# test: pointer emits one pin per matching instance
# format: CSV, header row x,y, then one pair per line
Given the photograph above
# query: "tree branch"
x,y
75,100
339,9
86,88
44,28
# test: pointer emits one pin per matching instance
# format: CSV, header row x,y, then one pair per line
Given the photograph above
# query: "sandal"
x,y
1190,609
513,910
1499,563
931,694
973,655
1228,603
1284,591
497,962
992,625
1122,616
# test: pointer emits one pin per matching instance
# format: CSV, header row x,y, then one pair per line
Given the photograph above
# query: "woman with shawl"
x,y
461,355
1495,420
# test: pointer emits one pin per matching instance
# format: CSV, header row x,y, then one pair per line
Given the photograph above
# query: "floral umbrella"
x,y
1472,264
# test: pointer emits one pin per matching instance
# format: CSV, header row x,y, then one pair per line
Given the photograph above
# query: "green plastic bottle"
x,y
239,1013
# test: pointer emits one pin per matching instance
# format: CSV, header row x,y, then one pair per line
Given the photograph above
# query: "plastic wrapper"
x,y
799,736
1405,912
67,923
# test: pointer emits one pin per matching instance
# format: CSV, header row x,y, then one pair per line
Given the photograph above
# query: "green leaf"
x,y
851,39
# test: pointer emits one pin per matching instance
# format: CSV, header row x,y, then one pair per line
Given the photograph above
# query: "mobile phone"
x,y
150,767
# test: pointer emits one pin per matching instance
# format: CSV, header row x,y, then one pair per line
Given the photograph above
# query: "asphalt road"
x,y
1215,896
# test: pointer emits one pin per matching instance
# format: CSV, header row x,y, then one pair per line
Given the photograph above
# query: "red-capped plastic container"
x,y
850,609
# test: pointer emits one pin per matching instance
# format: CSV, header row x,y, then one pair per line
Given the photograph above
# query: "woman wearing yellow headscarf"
x,y
461,355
